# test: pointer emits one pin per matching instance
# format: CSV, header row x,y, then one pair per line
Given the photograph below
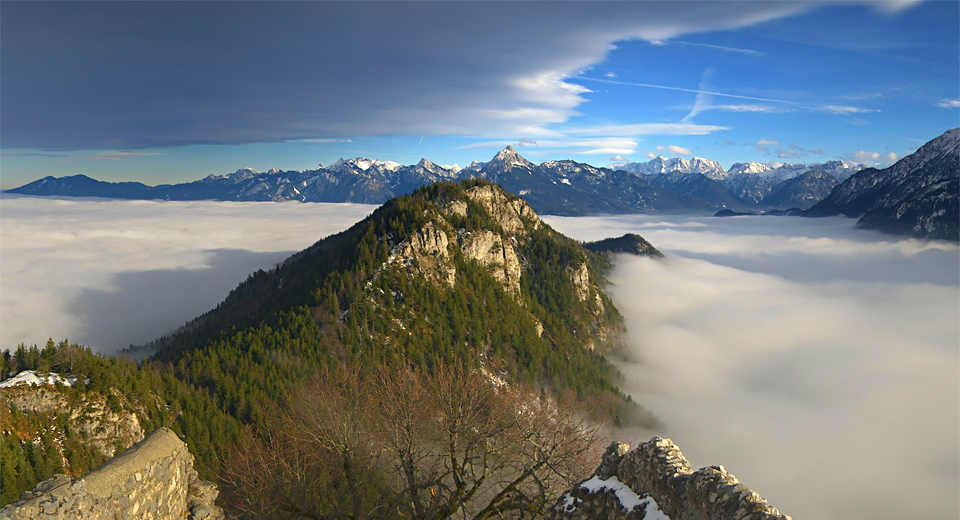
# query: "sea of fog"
x,y
817,362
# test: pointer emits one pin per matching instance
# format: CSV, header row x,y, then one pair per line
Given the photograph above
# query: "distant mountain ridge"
x,y
563,187
919,195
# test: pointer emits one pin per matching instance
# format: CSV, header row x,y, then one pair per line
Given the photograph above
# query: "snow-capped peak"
x,y
507,159
750,167
363,163
661,164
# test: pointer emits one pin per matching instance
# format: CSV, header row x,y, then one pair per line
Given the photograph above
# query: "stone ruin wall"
x,y
657,470
154,479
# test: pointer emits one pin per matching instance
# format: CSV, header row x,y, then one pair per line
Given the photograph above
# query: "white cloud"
x,y
111,273
748,52
520,81
610,75
787,154
703,99
650,155
768,142
949,103
594,145
322,140
117,156
845,110
760,109
873,158
649,129
616,159
785,348
604,151
674,150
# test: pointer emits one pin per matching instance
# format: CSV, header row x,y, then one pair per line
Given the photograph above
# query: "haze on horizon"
x,y
147,92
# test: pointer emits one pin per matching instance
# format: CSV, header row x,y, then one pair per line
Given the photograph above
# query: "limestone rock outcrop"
x,y
656,477
153,480
508,213
102,426
498,256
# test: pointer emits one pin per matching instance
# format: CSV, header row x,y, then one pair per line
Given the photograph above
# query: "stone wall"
x,y
655,481
154,479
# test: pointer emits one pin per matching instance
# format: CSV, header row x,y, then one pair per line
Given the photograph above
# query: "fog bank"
x,y
110,273
818,363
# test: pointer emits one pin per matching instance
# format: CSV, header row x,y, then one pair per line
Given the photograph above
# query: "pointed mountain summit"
x,y
506,160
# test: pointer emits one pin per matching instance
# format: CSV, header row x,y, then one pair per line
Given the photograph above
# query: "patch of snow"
x,y
565,181
31,378
627,497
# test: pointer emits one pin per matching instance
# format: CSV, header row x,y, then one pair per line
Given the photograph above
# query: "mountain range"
x,y
919,195
557,187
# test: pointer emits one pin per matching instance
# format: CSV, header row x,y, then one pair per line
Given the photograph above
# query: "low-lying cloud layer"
x,y
108,274
817,362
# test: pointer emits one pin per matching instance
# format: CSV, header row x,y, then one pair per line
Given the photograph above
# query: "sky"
x,y
166,92
808,357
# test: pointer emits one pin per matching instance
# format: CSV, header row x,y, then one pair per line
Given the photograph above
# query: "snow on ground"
x,y
628,498
31,378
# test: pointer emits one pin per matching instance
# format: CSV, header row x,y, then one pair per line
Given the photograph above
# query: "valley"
x,y
672,351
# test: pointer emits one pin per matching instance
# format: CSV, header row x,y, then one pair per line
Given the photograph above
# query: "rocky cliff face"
x,y
153,480
430,251
655,481
102,425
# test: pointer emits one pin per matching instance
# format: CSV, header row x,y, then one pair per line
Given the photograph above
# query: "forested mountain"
x,y
918,196
457,296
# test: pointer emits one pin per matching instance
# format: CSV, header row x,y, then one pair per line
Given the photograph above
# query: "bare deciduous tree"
x,y
402,443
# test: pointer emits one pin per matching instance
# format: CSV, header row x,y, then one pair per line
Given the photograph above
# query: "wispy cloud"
x,y
597,142
321,140
649,129
32,154
787,154
610,75
844,110
949,103
691,90
748,52
118,156
817,151
703,99
764,109
604,151
674,150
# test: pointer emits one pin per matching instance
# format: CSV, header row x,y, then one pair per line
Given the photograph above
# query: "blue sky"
x,y
171,92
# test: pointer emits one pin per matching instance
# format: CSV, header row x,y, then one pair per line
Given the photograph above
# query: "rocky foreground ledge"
x,y
655,482
153,480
